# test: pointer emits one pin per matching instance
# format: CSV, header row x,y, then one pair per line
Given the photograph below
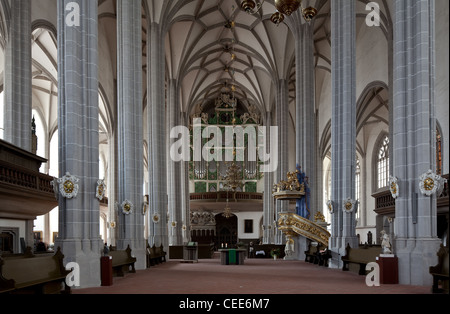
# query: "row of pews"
x,y
357,259
317,254
45,273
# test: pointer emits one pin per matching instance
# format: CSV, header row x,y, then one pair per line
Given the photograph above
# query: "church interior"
x,y
139,133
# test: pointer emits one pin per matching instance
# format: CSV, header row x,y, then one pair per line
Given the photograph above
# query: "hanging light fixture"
x,y
284,7
227,211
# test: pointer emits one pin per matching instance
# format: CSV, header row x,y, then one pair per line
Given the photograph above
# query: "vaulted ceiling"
x,y
213,46
210,45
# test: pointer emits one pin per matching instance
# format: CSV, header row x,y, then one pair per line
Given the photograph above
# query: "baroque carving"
x,y
431,183
203,218
393,187
289,222
330,206
68,186
127,207
100,191
349,205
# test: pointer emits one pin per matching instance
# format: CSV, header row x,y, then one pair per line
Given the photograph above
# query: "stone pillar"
x,y
129,131
343,148
282,110
17,88
78,127
305,103
414,137
174,169
268,214
185,193
157,138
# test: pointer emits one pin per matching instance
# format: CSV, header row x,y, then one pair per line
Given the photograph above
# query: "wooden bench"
x,y
324,255
360,256
440,271
30,274
155,255
122,260
317,254
311,254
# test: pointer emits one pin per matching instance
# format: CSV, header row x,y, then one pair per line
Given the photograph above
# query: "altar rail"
x,y
223,196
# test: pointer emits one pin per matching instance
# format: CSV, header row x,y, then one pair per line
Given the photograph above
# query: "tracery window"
x,y
383,163
358,179
438,152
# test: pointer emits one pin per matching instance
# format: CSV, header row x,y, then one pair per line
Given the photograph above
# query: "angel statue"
x,y
385,243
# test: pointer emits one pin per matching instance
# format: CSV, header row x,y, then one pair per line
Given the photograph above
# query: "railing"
x,y
385,203
290,223
24,178
221,196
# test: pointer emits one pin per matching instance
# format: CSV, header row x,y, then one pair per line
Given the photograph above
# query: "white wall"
x,y
256,217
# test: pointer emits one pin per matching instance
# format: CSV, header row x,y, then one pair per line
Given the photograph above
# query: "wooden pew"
x,y
311,254
318,254
160,254
122,260
361,256
30,274
324,255
155,255
440,271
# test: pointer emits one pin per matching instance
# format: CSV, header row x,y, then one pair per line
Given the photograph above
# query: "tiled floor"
x,y
257,276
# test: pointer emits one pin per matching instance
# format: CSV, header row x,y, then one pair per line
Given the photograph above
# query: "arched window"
x,y
358,185
358,179
438,152
383,163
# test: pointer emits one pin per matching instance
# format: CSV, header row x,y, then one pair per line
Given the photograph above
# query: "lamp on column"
x,y
284,7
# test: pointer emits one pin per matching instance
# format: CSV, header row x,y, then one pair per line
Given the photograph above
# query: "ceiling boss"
x,y
284,7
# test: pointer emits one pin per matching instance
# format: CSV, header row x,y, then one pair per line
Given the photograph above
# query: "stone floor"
x,y
257,276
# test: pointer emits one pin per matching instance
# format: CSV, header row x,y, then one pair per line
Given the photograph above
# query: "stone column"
x,y
185,193
17,88
343,150
414,137
305,102
268,214
78,126
174,169
129,131
282,110
157,138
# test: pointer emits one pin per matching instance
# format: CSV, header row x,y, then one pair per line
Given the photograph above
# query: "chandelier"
x,y
284,7
227,211
234,176
233,181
